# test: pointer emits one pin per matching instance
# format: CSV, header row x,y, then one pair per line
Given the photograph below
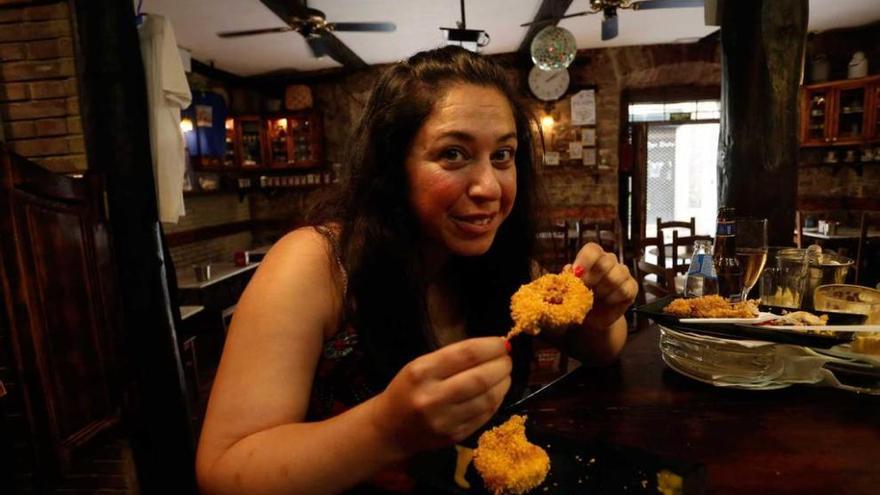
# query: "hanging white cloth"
x,y
167,92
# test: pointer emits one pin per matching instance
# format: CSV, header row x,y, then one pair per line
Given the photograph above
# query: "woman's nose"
x,y
485,184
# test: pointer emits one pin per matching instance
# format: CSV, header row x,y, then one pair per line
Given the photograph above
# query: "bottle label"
x,y
726,228
702,264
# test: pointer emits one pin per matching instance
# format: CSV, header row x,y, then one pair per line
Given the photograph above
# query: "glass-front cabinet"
x,y
850,114
874,113
250,142
817,115
841,112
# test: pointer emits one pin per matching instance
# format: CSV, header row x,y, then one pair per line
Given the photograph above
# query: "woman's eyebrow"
x,y
464,136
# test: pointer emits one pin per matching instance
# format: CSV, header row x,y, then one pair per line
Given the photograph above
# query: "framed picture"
x,y
551,158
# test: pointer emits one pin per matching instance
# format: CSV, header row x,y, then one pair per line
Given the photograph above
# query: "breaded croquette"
x,y
711,307
508,463
550,301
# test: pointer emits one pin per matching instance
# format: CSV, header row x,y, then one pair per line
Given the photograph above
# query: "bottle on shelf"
x,y
727,266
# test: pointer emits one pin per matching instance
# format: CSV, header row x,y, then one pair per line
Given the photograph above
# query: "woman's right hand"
x,y
441,398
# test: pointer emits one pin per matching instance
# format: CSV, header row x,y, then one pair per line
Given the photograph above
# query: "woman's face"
x,y
461,171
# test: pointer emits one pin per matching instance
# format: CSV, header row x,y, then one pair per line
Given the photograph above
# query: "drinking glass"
x,y
751,250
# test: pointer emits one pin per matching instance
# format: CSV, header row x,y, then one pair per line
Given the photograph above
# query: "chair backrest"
x,y
665,277
870,223
682,250
606,232
553,246
690,227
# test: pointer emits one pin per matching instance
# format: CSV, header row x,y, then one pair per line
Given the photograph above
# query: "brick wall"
x,y
39,110
39,102
206,211
611,70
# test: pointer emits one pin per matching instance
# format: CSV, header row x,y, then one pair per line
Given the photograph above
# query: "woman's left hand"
x,y
614,289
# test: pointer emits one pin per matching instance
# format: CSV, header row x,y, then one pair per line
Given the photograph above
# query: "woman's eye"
x,y
453,155
504,156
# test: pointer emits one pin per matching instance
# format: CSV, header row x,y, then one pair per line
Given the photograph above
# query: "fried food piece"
x,y
549,301
508,463
711,307
800,318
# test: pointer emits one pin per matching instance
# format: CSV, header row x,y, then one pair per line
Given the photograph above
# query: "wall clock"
x,y
548,85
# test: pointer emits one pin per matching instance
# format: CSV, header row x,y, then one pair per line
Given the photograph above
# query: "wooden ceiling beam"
x,y
547,10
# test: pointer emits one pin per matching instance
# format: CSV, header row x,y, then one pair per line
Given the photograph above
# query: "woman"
x,y
376,335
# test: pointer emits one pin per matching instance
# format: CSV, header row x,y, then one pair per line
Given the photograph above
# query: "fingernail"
x,y
578,271
508,346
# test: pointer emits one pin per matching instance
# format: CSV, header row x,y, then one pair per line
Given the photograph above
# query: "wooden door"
x,y
61,300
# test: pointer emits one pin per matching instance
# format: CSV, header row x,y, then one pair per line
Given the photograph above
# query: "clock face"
x,y
548,85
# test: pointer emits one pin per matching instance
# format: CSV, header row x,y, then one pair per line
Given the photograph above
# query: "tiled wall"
x,y
39,108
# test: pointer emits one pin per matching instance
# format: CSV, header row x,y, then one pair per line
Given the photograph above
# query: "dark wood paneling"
x,y
61,316
205,233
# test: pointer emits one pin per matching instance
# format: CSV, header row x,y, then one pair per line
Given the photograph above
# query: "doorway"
x,y
673,147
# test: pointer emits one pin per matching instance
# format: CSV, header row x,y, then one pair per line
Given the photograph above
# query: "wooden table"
x,y
796,440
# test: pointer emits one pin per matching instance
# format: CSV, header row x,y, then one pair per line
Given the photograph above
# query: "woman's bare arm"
x,y
254,439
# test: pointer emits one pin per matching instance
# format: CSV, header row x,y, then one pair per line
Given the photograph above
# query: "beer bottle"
x,y
727,267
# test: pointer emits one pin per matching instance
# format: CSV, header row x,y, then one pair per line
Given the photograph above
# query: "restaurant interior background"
x,y
79,213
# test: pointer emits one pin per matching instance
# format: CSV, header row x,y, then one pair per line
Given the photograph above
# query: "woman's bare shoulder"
x,y
302,264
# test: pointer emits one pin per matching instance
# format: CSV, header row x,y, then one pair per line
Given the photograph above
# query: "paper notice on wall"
x,y
574,150
551,158
588,136
589,159
583,107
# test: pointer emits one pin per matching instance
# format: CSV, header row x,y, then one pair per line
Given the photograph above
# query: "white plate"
x,y
762,317
835,328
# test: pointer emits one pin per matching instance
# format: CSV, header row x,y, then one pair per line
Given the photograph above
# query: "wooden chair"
x,y
607,233
675,226
642,269
553,246
863,250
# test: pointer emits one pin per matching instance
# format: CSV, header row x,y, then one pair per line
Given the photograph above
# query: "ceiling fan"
x,y
609,12
312,24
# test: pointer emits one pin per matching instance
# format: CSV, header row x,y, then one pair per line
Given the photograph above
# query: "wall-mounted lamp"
x,y
547,123
186,125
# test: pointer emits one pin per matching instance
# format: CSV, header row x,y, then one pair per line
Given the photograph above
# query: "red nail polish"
x,y
578,271
508,346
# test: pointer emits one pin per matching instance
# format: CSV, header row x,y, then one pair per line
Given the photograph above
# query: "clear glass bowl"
x,y
845,298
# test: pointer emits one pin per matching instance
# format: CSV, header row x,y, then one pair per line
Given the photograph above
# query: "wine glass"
x,y
751,250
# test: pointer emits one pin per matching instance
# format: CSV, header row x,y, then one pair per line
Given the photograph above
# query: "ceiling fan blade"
x,y
556,19
317,45
609,27
334,48
278,7
666,4
251,32
386,27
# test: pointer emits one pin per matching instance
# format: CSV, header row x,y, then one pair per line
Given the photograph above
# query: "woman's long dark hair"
x,y
380,235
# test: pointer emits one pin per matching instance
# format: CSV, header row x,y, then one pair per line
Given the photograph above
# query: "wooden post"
x,y
762,52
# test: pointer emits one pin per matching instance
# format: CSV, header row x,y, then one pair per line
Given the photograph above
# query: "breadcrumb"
x,y
508,463
552,300
711,307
